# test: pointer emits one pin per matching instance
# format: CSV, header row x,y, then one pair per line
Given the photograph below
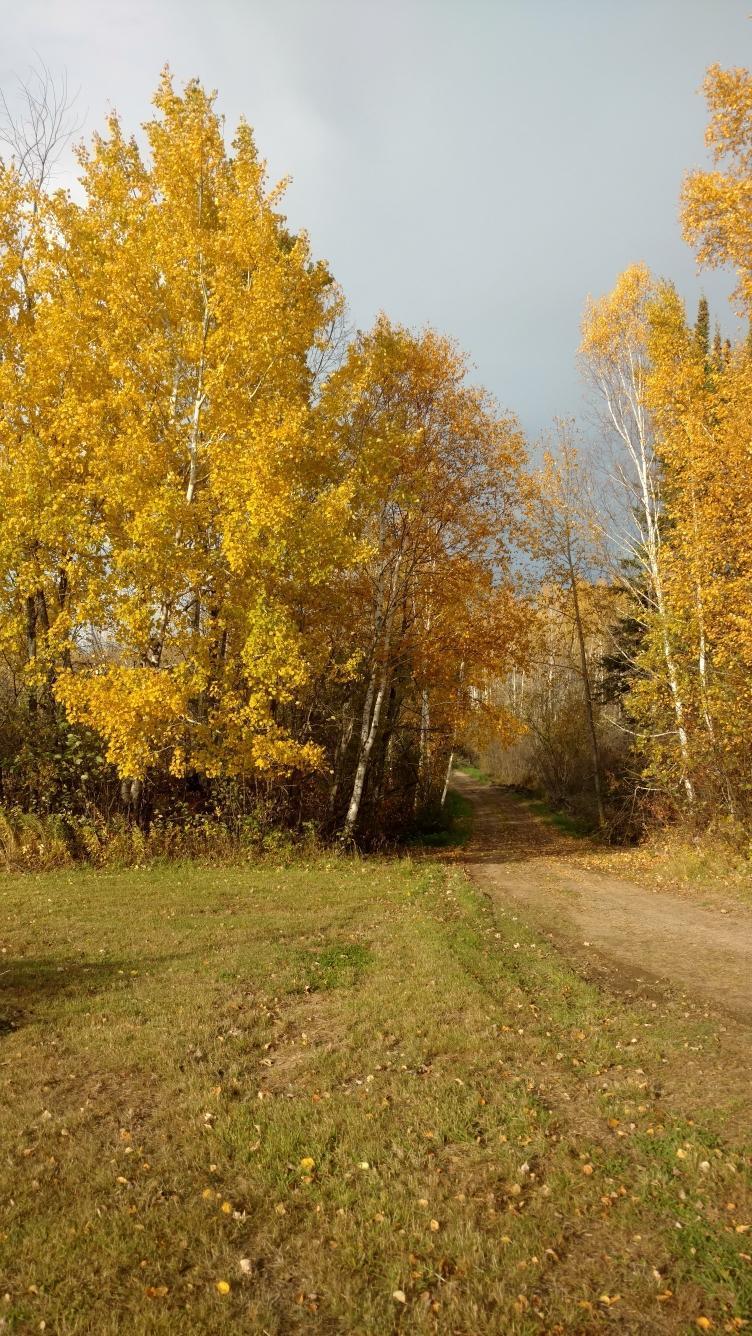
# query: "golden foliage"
x,y
203,534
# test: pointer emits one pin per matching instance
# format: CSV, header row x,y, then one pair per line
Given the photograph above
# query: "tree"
x,y
702,330
701,423
435,472
615,355
715,204
562,538
157,412
37,130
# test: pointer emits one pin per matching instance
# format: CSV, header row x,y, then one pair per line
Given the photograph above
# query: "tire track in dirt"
x,y
633,939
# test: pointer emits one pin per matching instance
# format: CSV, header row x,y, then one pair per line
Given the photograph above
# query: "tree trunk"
x,y
368,737
639,451
31,628
594,748
422,787
448,778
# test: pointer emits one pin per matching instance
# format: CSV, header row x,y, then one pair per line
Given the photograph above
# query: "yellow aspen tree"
x,y
716,219
435,470
683,395
717,204
49,540
216,499
615,355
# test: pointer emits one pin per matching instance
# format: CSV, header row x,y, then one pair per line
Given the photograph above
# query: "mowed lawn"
x,y
346,1096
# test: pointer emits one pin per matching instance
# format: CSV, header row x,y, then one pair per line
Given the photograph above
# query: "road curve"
x,y
631,937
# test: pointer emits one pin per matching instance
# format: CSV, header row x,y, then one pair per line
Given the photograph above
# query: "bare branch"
x,y
37,124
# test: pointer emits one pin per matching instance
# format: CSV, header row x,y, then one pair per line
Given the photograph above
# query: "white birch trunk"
x,y
626,411
371,730
448,778
423,752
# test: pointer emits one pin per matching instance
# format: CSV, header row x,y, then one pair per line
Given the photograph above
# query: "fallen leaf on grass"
x,y
399,1297
307,1164
223,1287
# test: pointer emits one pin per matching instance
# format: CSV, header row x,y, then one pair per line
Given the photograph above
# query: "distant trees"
x,y
657,625
562,538
435,478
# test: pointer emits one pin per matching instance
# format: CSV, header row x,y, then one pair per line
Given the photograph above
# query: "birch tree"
x,y
435,473
615,356
562,530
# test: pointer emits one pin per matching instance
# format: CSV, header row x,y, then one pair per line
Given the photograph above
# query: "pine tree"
x,y
702,329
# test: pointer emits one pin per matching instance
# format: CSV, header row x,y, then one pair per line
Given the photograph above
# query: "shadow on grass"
x,y
508,825
579,827
28,983
448,828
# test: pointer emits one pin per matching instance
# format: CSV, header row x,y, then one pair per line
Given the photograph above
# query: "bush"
x,y
41,843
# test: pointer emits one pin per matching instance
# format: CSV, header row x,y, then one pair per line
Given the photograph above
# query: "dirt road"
x,y
636,940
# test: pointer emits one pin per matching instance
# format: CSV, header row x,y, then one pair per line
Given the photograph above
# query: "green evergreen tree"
x,y
702,328
717,358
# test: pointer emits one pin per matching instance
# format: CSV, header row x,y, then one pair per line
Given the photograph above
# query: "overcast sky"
x,y
479,165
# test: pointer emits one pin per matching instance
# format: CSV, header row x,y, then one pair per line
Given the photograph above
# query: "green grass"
x,y
563,821
473,772
450,828
491,1137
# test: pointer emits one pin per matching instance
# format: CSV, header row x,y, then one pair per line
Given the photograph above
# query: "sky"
x,y
477,165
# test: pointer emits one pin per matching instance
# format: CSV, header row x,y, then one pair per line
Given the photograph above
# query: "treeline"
x,y
257,570
640,683
247,561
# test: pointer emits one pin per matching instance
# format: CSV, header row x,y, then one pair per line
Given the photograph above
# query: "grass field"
x,y
346,1097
